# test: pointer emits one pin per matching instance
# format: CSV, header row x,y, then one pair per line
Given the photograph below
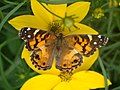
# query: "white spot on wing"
x,y
28,29
29,36
25,31
101,40
90,37
99,36
36,31
107,39
95,43
105,42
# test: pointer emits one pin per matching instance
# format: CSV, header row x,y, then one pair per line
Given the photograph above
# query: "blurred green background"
x,y
104,16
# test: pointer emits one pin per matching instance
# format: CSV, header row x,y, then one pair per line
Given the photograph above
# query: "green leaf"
x,y
58,1
10,13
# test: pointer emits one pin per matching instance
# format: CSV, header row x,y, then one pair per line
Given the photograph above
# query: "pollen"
x,y
65,76
56,27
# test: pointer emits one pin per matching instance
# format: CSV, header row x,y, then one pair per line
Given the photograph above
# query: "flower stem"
x,y
10,2
104,5
11,13
51,12
104,73
4,79
57,1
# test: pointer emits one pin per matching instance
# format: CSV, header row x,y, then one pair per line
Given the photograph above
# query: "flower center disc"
x,y
68,22
56,27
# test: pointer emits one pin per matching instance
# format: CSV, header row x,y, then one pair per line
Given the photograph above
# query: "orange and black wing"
x,y
73,47
86,44
41,45
67,58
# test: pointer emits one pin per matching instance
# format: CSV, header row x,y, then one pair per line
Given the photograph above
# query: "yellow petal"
x,y
88,62
79,29
41,82
77,85
40,12
63,86
58,10
28,21
69,86
78,10
89,79
26,56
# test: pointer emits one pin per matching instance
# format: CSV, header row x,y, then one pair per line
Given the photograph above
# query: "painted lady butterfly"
x,y
68,50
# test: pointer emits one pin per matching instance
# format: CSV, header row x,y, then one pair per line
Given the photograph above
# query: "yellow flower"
x,y
83,80
98,13
47,15
44,17
114,3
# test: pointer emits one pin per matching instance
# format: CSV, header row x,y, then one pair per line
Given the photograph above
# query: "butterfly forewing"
x,y
40,44
86,44
32,37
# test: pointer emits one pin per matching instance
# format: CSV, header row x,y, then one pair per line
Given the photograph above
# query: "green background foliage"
x,y
14,71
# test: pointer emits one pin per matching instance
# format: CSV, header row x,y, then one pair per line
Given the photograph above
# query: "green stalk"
x,y
104,73
7,86
5,7
58,1
9,2
51,12
10,13
110,22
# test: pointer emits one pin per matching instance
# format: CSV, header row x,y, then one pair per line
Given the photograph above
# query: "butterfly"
x,y
68,51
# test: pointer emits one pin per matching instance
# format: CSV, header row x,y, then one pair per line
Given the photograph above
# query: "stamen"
x,y
65,76
76,26
56,26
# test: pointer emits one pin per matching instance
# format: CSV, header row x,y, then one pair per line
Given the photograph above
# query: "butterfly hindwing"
x,y
42,58
67,58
